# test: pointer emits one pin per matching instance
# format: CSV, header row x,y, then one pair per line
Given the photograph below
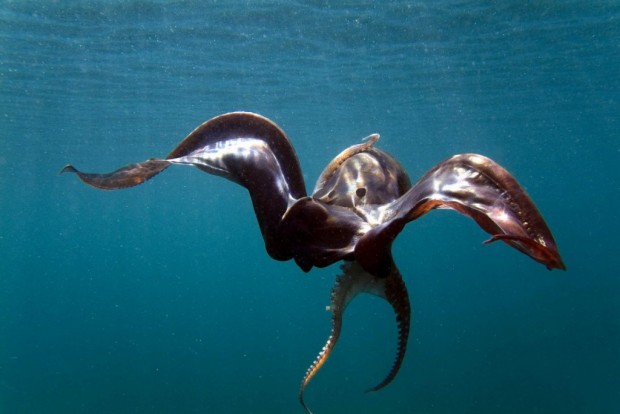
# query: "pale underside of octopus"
x,y
361,202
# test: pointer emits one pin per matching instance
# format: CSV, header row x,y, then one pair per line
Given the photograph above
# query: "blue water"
x,y
161,298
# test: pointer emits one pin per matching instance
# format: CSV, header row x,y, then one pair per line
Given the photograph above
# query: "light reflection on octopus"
x,y
361,202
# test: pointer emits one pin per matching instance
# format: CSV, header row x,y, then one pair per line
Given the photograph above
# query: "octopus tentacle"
x,y
329,345
125,177
245,148
349,284
396,294
478,187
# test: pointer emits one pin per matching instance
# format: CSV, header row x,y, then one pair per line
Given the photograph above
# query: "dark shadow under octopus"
x,y
361,202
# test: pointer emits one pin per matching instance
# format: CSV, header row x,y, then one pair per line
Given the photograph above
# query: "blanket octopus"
x,y
361,202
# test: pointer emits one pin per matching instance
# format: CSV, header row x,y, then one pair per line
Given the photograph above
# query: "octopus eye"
x,y
360,192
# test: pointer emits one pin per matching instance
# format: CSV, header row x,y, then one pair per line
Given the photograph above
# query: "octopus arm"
x,y
243,147
353,281
125,177
480,188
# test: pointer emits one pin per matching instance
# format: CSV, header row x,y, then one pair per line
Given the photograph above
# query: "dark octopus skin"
x,y
361,202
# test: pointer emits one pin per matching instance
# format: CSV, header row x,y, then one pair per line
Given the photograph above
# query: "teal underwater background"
x,y
162,299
